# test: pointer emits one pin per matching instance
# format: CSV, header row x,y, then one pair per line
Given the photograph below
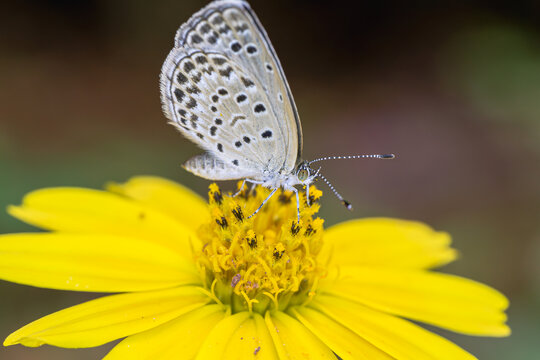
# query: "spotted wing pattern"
x,y
222,86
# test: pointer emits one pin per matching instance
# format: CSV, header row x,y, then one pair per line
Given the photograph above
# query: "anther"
x,y
218,198
223,222
295,228
252,242
237,212
278,254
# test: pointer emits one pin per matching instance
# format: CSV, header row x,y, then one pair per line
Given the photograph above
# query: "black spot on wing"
x,y
235,46
181,78
247,82
196,39
217,20
196,78
266,134
241,98
193,89
241,28
201,59
226,72
219,60
225,29
188,66
213,38
259,108
179,94
191,103
251,49
205,29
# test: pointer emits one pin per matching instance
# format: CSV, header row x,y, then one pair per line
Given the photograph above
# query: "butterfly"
x,y
223,87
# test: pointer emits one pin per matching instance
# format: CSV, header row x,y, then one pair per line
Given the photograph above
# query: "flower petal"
x,y
344,342
448,301
79,210
397,337
388,242
243,335
181,337
101,263
166,196
99,321
293,340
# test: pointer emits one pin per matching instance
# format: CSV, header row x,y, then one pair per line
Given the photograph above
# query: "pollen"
x,y
266,261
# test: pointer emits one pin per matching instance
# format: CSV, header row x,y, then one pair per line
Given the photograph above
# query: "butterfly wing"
x,y
222,86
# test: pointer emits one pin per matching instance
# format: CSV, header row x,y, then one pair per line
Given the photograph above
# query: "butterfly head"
x,y
305,174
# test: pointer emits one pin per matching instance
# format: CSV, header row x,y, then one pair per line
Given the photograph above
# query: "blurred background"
x,y
453,88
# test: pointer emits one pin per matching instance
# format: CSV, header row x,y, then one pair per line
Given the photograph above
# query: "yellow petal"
x,y
451,302
293,340
78,210
179,338
397,337
240,336
344,342
387,242
100,263
109,318
166,196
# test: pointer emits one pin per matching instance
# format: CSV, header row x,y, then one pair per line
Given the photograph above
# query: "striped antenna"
x,y
343,201
374,156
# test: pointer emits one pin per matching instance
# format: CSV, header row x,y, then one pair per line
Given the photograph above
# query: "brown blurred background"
x,y
453,89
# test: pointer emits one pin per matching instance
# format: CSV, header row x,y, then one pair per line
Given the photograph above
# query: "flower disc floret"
x,y
266,261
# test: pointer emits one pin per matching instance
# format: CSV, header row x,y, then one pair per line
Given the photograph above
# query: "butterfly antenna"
x,y
373,156
343,201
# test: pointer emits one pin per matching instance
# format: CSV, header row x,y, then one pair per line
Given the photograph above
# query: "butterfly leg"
x,y
264,202
253,182
297,202
240,190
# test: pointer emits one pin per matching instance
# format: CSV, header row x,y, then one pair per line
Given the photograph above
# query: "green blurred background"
x,y
452,88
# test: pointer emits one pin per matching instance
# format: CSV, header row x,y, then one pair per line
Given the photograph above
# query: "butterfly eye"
x,y
303,174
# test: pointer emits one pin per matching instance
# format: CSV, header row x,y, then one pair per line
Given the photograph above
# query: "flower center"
x,y
266,261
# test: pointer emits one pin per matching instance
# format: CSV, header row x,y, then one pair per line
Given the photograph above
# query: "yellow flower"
x,y
203,281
